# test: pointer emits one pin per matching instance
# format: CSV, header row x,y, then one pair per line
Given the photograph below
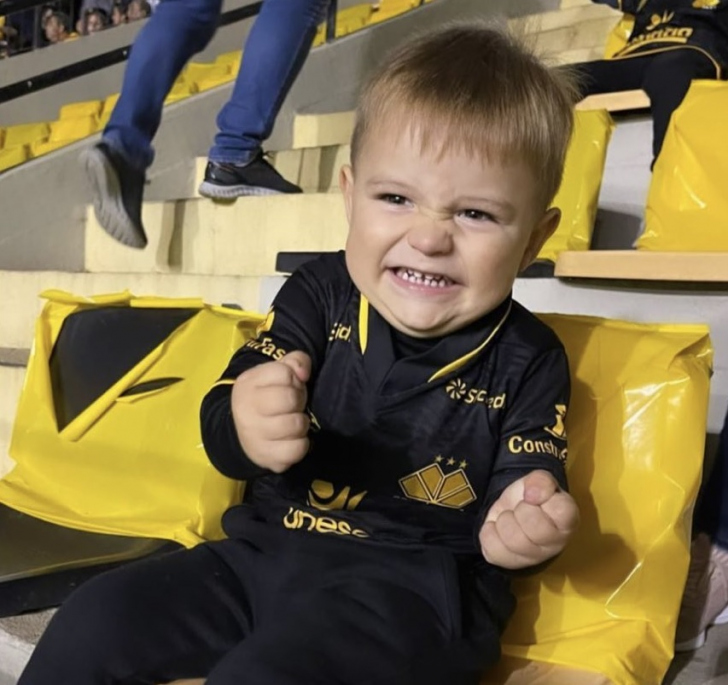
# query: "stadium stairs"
x,y
228,252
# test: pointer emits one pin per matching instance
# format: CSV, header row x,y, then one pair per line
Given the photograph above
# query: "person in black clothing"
x,y
399,418
673,42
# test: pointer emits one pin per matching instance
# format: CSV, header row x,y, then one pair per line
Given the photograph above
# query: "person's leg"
x,y
357,615
705,601
176,30
608,75
153,621
275,51
666,82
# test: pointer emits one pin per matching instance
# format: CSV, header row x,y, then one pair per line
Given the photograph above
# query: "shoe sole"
x,y
108,205
214,191
698,641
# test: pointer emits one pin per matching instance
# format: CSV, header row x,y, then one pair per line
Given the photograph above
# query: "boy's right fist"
x,y
268,406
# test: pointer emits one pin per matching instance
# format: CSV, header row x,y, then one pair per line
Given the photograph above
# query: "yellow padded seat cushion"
x,y
73,129
43,147
392,8
26,134
81,109
195,73
10,157
2,138
180,91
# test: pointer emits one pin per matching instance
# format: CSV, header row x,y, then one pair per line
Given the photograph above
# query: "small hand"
x,y
268,406
529,523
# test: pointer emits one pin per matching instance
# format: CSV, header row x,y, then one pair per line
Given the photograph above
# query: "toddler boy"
x,y
399,418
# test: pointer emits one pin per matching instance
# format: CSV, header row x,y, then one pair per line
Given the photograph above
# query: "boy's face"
x,y
436,239
54,30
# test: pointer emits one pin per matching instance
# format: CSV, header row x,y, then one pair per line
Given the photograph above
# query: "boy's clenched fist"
x,y
268,405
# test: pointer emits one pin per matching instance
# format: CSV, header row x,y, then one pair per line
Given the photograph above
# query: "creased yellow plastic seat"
x,y
2,138
579,192
687,205
233,59
76,110
608,605
12,156
129,459
73,129
26,134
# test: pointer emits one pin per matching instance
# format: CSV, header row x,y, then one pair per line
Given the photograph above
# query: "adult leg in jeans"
x,y
116,167
276,49
705,601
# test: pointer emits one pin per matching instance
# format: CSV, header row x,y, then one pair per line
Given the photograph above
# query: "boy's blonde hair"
x,y
478,90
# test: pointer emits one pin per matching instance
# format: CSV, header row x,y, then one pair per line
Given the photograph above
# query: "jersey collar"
x,y
454,351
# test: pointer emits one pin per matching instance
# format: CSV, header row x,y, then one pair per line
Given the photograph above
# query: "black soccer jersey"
x,y
662,25
407,450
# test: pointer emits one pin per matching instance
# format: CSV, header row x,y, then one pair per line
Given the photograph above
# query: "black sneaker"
x,y
118,191
258,177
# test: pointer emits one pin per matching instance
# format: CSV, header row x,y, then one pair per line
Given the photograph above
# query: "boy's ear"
x,y
346,183
543,231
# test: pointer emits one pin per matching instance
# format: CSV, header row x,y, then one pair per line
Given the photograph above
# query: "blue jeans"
x,y
275,51
711,514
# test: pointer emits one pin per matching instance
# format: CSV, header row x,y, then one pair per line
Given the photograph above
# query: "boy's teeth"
x,y
432,280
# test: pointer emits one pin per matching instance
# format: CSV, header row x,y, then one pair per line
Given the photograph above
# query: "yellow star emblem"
x,y
450,462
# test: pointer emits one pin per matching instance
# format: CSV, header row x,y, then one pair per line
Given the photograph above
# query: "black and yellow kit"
x,y
662,25
407,449
360,565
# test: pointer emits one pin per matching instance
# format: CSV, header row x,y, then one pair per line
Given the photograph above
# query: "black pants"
x,y
291,608
665,77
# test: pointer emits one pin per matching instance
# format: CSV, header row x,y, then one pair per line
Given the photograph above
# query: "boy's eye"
x,y
393,199
477,215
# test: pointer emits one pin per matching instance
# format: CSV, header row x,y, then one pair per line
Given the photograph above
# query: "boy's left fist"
x,y
529,523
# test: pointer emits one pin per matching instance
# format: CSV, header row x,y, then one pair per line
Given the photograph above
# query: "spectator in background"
x,y
275,51
672,43
94,20
58,28
118,14
138,9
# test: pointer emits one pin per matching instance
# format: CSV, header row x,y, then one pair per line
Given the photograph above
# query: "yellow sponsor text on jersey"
x,y
459,391
340,331
519,445
323,496
297,519
267,347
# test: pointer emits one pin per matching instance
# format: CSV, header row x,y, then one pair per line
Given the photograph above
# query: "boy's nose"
x,y
430,234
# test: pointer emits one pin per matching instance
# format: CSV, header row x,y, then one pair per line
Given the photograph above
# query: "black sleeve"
x,y
296,321
533,435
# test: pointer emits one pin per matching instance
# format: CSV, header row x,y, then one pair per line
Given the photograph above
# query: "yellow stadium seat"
x,y
195,73
109,105
26,134
2,138
233,58
69,130
180,91
352,19
392,8
81,109
12,156
214,82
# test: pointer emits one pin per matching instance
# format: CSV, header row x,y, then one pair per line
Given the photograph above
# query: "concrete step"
x,y
320,130
12,375
205,237
18,637
21,304
586,34
563,18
